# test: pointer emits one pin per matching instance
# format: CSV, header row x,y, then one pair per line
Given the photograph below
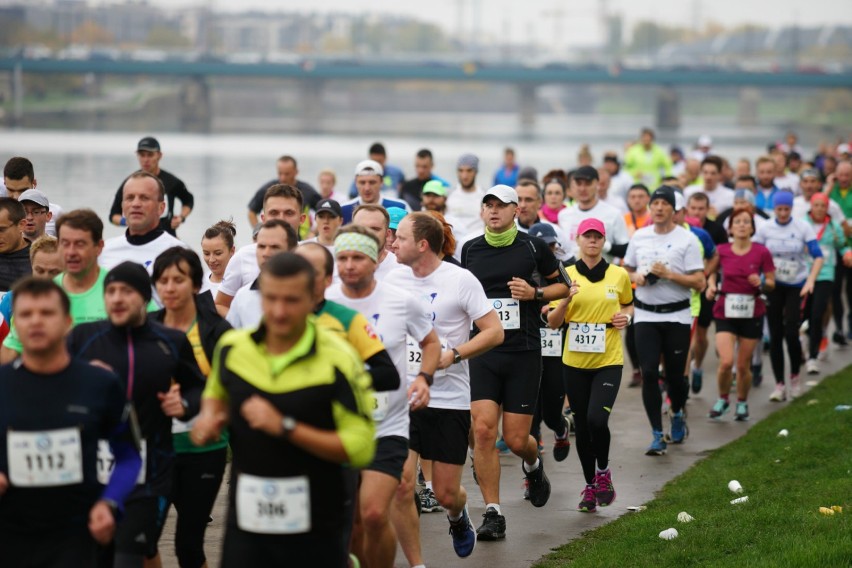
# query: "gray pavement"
x,y
532,533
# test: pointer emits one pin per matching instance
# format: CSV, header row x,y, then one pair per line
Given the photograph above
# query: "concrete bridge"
x,y
313,74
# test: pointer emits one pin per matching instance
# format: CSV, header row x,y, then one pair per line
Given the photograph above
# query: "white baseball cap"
x,y
680,201
704,140
504,193
369,168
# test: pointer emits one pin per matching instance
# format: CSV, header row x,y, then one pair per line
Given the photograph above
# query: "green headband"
x,y
358,243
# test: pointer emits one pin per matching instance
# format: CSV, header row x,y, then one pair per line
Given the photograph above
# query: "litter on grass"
x,y
783,433
842,407
811,383
637,509
739,500
685,517
826,511
812,402
735,486
837,508
669,534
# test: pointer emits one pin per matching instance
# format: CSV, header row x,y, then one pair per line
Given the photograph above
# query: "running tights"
x,y
551,398
592,394
784,314
670,341
815,311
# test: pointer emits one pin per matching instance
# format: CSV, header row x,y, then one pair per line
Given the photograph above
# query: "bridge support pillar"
x,y
748,112
195,110
527,108
668,109
311,93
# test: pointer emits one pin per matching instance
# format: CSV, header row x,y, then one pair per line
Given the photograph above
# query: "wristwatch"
x,y
288,423
429,378
539,294
457,358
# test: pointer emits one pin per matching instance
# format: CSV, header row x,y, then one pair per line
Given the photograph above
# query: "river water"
x,y
84,169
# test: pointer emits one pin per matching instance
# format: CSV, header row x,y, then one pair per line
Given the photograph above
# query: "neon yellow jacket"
x,y
647,166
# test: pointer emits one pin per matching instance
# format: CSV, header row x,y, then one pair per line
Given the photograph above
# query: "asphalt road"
x,y
531,532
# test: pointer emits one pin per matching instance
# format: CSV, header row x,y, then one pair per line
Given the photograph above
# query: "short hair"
x,y
288,264
328,172
749,179
13,207
430,228
739,209
19,168
284,190
526,182
640,187
292,237
764,160
44,243
377,148
509,150
424,153
173,257
31,286
713,160
328,258
82,220
359,230
225,229
699,196
142,174
288,158
647,130
373,207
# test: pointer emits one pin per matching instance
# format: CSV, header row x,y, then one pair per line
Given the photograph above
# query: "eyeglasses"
x,y
35,212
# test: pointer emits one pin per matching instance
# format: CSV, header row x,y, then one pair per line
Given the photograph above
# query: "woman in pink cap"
x,y
599,304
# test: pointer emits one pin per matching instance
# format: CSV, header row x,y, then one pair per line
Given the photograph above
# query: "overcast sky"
x,y
580,19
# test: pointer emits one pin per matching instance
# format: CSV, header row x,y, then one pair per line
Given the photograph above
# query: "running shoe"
x,y
464,537
823,349
658,445
697,380
569,416
540,445
719,409
839,339
741,414
539,484
779,394
502,447
679,430
756,375
795,386
635,379
561,448
812,367
493,526
526,489
588,501
604,489
428,502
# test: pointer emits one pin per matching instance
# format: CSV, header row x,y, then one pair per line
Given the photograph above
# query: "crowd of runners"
x,y
382,333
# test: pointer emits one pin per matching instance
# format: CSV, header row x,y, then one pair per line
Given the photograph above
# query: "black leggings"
x,y
671,341
592,393
784,314
195,483
630,340
551,398
841,273
815,309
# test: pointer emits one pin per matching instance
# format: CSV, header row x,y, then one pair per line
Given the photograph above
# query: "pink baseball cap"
x,y
591,224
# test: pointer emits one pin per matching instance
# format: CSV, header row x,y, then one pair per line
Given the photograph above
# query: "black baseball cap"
x,y
543,231
329,206
149,144
585,172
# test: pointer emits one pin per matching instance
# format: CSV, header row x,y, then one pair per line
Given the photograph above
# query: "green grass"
x,y
786,480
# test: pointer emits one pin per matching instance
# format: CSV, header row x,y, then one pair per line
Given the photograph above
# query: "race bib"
x,y
45,459
551,342
587,337
414,356
739,306
786,271
268,505
381,406
509,312
106,462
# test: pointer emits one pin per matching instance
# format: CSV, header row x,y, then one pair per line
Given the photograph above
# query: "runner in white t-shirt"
x,y
584,185
721,197
465,201
664,261
393,313
440,433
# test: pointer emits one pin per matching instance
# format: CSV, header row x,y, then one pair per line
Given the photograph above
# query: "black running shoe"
x,y
539,484
493,526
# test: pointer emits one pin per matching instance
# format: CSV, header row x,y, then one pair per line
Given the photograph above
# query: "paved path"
x,y
531,532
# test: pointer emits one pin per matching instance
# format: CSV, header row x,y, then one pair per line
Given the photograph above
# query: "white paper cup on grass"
x,y
739,500
685,517
669,534
735,486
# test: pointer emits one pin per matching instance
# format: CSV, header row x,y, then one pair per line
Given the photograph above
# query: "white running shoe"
x,y
779,394
812,367
795,386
